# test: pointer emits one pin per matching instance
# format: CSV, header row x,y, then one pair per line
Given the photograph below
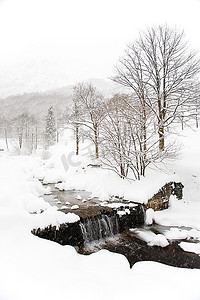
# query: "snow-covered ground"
x,y
32,268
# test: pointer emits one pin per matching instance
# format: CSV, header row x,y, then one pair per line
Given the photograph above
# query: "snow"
x,y
176,234
72,173
119,204
63,207
159,240
180,213
40,269
33,268
190,247
18,188
151,238
75,206
48,191
126,211
22,193
104,184
167,235
149,216
121,212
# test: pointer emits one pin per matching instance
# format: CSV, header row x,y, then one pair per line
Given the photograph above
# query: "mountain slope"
x,y
39,102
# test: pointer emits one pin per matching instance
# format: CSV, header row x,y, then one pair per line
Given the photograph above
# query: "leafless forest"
x,y
158,82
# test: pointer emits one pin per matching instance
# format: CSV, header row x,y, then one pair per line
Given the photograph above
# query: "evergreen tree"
x,y
50,130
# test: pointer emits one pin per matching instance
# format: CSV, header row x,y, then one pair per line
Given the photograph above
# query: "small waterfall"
x,y
99,227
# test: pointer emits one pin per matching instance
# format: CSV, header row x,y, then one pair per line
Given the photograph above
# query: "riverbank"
x,y
33,268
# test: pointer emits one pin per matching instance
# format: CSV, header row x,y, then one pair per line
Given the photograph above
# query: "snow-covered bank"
x,y
180,213
74,173
32,268
21,195
104,183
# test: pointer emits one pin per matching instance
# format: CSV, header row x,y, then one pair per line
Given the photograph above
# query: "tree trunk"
x,y
20,141
144,125
196,119
161,138
182,124
96,142
6,139
36,137
32,142
122,171
77,140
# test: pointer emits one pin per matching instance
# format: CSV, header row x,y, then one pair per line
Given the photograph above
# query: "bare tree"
x,y
90,101
6,129
116,143
50,128
60,119
24,127
75,117
123,146
162,72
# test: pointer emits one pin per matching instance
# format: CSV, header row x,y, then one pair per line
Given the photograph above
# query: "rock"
x,y
63,207
75,206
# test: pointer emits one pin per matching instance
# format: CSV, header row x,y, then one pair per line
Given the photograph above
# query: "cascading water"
x,y
99,227
95,223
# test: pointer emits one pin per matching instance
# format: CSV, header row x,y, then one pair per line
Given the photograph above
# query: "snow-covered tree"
x,y
125,147
162,72
24,128
90,104
50,128
5,128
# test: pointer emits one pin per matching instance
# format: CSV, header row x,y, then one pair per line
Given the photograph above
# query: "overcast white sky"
x,y
51,43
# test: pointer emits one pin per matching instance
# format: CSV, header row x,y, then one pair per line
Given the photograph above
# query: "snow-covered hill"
x,y
39,102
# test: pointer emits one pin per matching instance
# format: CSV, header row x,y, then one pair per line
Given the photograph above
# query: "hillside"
x,y
38,103
35,103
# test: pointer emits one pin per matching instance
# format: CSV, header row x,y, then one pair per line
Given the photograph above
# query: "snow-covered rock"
x,y
149,216
159,240
190,247
75,207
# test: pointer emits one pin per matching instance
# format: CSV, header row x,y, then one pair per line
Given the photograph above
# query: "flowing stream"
x,y
100,231
99,227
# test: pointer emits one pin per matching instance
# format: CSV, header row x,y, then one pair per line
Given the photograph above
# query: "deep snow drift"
x,y
32,268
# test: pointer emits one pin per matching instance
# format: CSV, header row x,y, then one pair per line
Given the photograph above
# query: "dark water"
x,y
134,249
126,243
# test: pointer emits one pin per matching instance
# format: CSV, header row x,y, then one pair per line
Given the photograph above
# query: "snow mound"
x,y
75,206
180,213
159,240
190,247
149,216
176,234
151,238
